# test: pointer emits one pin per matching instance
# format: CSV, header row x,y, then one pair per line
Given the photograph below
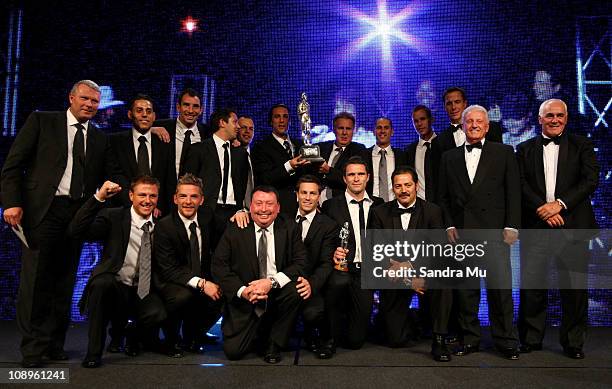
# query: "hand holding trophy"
x,y
342,265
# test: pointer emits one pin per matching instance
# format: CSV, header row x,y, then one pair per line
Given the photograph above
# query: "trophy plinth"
x,y
309,151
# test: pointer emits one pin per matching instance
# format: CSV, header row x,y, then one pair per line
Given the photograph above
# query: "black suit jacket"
x,y
235,264
447,140
170,126
400,160
493,201
577,179
337,209
171,252
321,242
426,216
112,226
202,161
162,167
37,159
431,183
334,179
268,158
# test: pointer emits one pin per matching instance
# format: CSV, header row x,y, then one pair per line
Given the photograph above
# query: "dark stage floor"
x,y
374,366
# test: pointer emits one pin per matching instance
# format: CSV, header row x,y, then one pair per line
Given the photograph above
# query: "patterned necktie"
x,y
194,249
144,262
287,146
383,180
77,180
143,157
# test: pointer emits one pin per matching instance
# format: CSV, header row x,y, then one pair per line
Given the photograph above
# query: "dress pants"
x,y
349,308
109,298
48,271
275,325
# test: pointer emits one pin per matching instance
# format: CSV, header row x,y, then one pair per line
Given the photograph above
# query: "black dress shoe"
x,y
132,349
450,339
466,349
272,354
195,347
510,353
31,362
526,348
91,362
439,350
58,355
574,352
115,345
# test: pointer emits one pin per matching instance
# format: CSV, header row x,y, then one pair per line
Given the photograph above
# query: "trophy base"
x,y
341,267
311,153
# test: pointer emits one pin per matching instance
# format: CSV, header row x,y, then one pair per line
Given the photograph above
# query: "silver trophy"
x,y
344,234
309,151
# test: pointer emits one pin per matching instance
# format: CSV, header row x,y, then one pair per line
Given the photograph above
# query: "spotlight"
x,y
189,25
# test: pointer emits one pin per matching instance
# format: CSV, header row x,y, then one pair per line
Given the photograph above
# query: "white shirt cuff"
x,y
282,279
451,228
511,229
288,167
193,282
562,203
239,294
97,198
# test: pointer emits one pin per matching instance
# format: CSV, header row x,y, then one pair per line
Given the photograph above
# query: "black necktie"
x,y
143,157
362,223
428,173
144,262
300,221
457,128
226,166
194,249
288,148
77,180
401,211
556,140
469,148
186,145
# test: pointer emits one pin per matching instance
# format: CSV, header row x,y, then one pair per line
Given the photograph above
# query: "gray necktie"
x,y
383,180
250,183
262,257
144,262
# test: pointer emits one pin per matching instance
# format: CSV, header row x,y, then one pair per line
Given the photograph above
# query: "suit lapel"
x,y
128,151
126,226
416,216
312,230
484,163
62,135
182,233
462,173
280,241
561,165
210,149
90,144
251,247
538,160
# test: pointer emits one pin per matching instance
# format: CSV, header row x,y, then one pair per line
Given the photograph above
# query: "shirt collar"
x,y
400,206
187,222
349,198
218,141
309,216
269,228
71,120
181,128
422,141
388,149
137,135
281,140
138,220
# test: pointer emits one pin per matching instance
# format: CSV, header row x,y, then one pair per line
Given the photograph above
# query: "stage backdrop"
x,y
372,58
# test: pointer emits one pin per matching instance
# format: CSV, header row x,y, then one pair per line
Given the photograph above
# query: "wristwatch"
x,y
275,284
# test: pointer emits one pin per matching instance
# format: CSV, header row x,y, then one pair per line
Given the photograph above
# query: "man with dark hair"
x,y
246,131
222,168
138,152
345,300
57,160
408,212
276,159
257,268
336,153
479,191
455,102
120,285
383,159
183,131
320,236
182,254
559,174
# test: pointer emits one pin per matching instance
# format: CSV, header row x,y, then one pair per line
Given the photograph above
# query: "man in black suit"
x,y
320,236
479,190
182,265
139,152
221,167
455,102
410,212
344,295
120,285
336,153
383,157
424,154
257,268
559,173
184,127
56,161
276,159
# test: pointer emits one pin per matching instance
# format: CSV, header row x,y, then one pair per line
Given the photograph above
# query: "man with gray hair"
x,y
58,159
479,190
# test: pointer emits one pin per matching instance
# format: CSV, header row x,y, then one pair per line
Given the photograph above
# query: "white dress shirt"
x,y
63,188
130,266
354,212
147,135
472,158
405,217
419,165
230,199
180,139
193,282
459,135
307,222
390,157
551,157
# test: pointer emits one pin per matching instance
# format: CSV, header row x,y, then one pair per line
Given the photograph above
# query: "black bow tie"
x,y
477,145
401,211
556,140
456,128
